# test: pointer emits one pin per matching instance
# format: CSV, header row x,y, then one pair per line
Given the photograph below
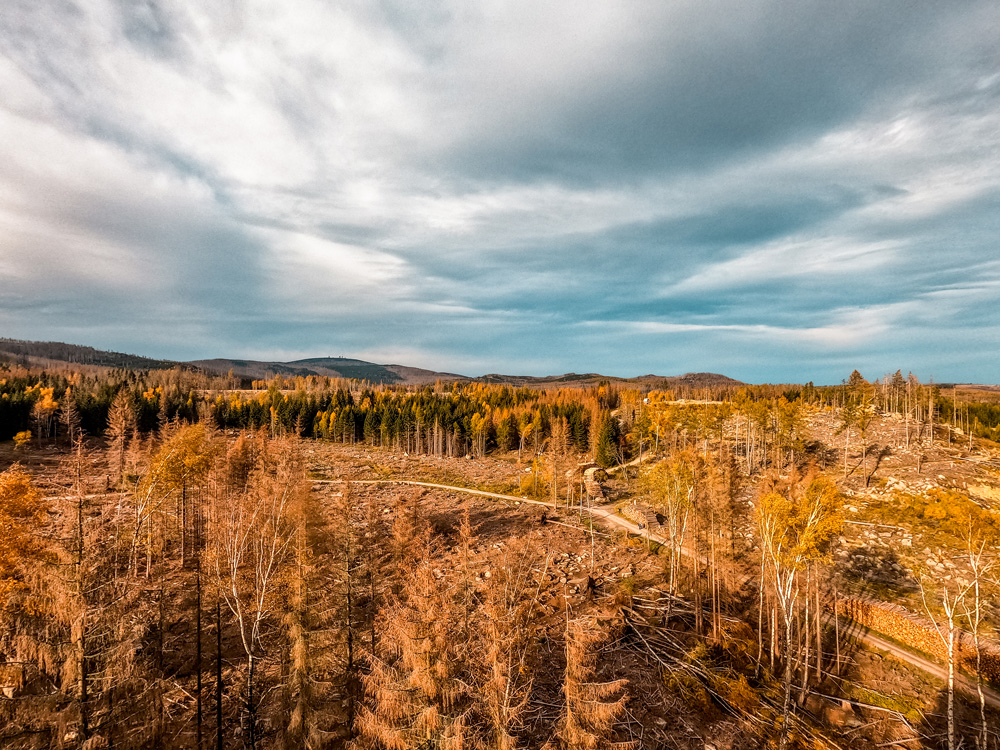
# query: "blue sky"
x,y
778,191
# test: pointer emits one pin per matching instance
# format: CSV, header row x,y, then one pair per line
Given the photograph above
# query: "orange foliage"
x,y
21,509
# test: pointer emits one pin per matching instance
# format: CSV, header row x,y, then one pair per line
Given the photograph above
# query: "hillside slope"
x,y
41,353
47,353
331,367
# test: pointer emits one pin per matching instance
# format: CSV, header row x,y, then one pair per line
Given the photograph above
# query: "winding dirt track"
x,y
602,513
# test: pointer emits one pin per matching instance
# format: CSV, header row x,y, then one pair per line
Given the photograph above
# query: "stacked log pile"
x,y
593,486
901,625
642,516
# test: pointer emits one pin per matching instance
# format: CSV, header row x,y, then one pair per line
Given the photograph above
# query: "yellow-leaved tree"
x,y
795,524
21,510
179,469
672,487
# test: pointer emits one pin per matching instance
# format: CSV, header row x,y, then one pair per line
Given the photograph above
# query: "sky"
x,y
776,191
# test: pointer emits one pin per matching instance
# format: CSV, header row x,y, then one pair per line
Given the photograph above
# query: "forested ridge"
x,y
189,565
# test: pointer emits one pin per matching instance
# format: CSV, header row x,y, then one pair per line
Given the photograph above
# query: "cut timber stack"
x,y
895,622
593,486
642,515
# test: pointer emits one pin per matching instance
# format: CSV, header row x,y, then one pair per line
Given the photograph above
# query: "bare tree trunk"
x,y
197,659
951,686
184,523
786,706
84,679
219,744
159,631
81,600
836,625
847,439
716,614
806,639
760,616
251,708
819,638
772,632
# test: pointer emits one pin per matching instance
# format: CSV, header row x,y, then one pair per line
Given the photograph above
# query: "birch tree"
x,y
253,534
794,527
980,549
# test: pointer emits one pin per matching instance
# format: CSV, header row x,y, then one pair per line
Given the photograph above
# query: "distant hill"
x,y
42,352
697,380
572,379
331,367
46,353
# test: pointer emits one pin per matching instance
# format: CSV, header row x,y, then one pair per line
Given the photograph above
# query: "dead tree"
x,y
504,657
415,697
591,709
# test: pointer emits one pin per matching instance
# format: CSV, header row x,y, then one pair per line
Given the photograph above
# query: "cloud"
x,y
774,193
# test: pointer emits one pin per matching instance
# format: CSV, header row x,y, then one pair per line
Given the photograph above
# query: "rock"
x,y
842,715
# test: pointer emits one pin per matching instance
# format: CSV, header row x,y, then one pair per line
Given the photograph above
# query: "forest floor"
x,y
684,690
905,524
893,700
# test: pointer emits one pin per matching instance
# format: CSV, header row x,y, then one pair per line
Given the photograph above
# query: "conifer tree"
x,y
301,731
415,698
121,423
591,707
69,416
503,656
608,439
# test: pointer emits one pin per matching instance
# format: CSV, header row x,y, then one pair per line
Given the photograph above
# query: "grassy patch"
x,y
940,517
908,708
